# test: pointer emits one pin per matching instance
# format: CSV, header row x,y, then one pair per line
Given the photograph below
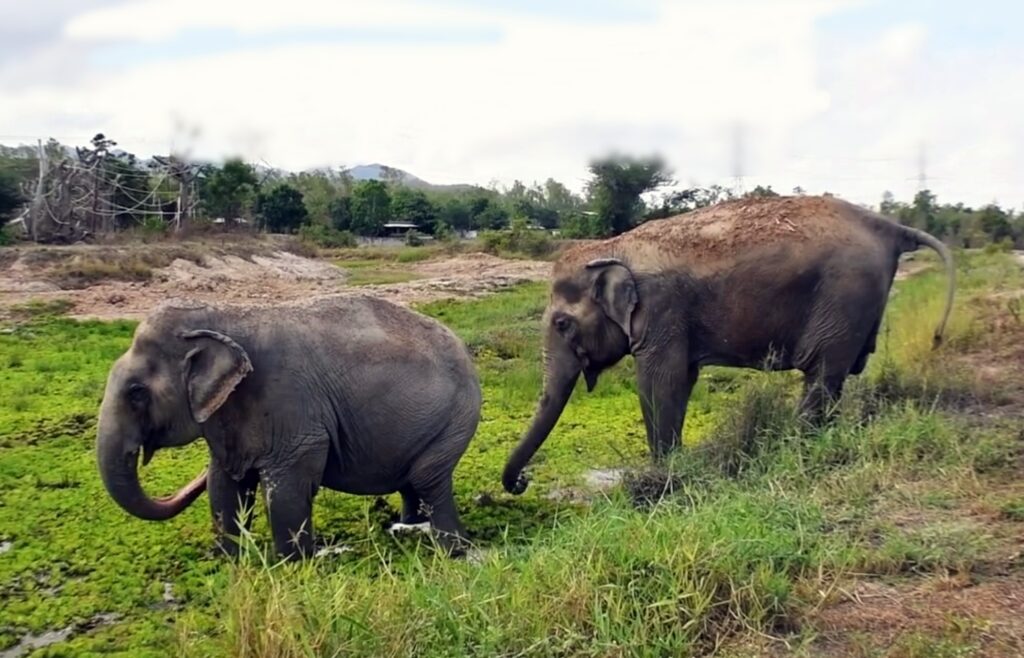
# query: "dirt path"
x,y
257,279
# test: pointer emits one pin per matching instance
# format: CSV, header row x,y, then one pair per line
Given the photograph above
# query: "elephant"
x,y
775,283
350,392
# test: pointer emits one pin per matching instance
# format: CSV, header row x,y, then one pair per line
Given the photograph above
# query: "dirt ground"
x,y
264,278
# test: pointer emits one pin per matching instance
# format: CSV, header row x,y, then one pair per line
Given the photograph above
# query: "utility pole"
x,y
737,159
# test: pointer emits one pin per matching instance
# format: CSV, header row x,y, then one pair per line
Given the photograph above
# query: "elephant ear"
x,y
213,368
614,289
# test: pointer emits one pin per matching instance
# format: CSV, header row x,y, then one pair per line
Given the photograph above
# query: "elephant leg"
x,y
430,478
231,501
665,385
869,348
290,488
411,506
444,516
821,393
290,508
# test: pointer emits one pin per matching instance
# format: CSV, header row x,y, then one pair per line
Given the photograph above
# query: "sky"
x,y
852,97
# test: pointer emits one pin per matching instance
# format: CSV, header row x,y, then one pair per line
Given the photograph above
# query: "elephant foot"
x,y
519,486
399,528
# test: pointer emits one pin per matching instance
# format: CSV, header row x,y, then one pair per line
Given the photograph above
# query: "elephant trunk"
x,y
118,464
559,382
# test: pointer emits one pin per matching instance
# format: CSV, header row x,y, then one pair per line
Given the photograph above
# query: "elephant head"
x,y
590,323
158,394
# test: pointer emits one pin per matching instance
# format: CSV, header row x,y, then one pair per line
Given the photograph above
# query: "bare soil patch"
x,y
128,281
876,618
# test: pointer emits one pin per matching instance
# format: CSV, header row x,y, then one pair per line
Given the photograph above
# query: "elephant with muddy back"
x,y
350,393
779,283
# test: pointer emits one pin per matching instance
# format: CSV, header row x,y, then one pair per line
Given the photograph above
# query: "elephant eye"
x,y
137,395
562,323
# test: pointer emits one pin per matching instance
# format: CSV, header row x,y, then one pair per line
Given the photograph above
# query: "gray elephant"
x,y
778,283
351,393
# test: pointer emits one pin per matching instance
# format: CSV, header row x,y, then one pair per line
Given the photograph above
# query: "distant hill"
x,y
397,176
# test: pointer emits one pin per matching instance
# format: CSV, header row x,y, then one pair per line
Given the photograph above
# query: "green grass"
x,y
762,515
368,272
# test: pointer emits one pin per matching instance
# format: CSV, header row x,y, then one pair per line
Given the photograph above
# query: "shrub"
x,y
443,232
326,236
413,239
581,227
517,239
153,226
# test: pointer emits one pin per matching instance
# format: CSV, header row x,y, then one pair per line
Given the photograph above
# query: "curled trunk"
x,y
119,471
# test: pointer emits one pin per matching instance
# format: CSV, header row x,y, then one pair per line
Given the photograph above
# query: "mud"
x,y
259,280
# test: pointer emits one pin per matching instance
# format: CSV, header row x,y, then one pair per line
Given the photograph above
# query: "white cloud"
x,y
545,97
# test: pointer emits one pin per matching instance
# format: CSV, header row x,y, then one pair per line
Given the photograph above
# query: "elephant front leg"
x,y
290,510
665,385
231,503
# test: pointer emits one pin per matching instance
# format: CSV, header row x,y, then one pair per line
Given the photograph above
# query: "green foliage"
x,y
341,213
11,197
153,226
955,223
615,188
517,239
321,190
230,191
281,209
488,213
326,236
443,232
370,206
581,226
682,201
413,206
413,239
455,212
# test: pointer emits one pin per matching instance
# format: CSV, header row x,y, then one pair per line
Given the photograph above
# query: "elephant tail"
x,y
914,238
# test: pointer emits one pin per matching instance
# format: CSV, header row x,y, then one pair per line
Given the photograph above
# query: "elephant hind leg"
x,y
430,481
412,506
821,394
869,348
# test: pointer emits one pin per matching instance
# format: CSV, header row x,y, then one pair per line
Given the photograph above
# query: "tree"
x,y
410,205
371,207
282,209
683,201
995,222
560,199
616,186
230,191
761,192
889,205
455,213
320,189
489,214
341,213
10,196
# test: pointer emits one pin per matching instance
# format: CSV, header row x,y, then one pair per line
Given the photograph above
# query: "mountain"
x,y
387,174
394,175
